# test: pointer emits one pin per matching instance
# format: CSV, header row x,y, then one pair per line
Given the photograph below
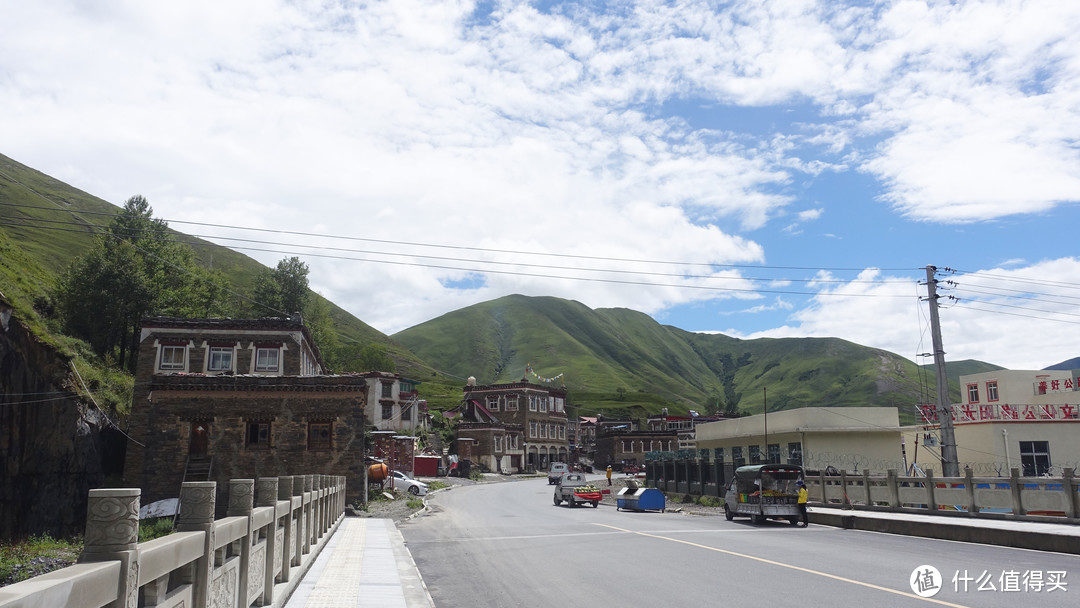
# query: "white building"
x,y
1007,419
848,438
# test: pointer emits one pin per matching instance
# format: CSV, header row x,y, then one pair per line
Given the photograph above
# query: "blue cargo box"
x,y
640,499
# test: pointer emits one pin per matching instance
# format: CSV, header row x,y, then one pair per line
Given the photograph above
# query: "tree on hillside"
x,y
283,290
323,333
366,358
135,269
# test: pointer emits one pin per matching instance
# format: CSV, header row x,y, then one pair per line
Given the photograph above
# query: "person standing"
x,y
609,474
802,503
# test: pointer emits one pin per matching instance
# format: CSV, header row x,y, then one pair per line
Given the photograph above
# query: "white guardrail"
x,y
1049,499
251,557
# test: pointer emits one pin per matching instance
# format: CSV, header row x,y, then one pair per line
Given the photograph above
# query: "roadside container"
x,y
640,499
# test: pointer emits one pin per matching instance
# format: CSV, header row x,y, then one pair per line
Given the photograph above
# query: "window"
x,y
560,404
221,359
387,411
387,390
774,453
493,403
1035,458
991,391
172,357
755,454
406,413
258,436
736,456
319,436
794,453
511,403
532,403
532,428
719,454
628,445
562,432
498,443
543,403
973,393
544,431
266,359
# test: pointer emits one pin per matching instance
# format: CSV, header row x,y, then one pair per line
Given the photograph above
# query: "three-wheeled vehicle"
x,y
764,491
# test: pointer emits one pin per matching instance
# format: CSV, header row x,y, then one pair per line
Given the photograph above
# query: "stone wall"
x,y
51,443
165,411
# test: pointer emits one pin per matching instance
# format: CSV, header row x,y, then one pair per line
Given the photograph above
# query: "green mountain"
x,y
45,224
612,359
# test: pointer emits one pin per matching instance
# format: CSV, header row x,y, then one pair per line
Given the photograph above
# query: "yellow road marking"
x,y
790,566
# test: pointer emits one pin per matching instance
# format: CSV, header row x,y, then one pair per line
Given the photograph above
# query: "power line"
x,y
481,249
493,262
544,276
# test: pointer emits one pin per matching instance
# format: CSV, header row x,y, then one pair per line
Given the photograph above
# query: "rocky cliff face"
x,y
51,443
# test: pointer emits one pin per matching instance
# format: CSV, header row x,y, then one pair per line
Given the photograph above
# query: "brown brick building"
x,y
220,399
538,410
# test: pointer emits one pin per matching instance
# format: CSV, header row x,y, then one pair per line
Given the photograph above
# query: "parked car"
x,y
556,472
410,485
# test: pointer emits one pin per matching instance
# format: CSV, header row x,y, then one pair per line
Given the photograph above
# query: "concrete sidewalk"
x,y
1062,538
365,563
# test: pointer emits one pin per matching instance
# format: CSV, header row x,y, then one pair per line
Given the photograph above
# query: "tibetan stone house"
x,y
220,399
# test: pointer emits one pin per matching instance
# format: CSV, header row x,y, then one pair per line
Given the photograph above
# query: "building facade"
x,y
1029,420
394,403
845,438
684,426
539,411
621,447
220,399
483,438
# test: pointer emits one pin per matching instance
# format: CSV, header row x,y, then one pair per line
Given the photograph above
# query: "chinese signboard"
x,y
1003,412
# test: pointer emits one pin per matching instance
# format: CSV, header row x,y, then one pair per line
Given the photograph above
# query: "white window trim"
x,y
253,368
208,358
161,354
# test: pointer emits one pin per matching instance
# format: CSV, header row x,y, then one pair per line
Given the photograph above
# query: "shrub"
x,y
415,504
149,529
709,501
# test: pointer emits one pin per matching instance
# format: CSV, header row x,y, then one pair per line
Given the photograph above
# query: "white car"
x,y
412,486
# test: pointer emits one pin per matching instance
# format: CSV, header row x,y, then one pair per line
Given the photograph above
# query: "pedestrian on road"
x,y
802,503
609,474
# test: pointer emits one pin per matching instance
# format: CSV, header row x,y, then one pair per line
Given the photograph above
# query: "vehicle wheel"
x,y
755,519
595,504
414,490
557,501
728,514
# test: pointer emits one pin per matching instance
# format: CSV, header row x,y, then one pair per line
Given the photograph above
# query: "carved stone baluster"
x,y
197,499
112,534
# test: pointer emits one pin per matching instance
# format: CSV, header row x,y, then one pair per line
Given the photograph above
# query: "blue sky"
x,y
757,169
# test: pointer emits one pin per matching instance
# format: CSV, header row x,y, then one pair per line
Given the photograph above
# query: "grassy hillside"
x,y
618,360
45,224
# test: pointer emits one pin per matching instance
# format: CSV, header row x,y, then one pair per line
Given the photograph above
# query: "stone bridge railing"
x,y
254,556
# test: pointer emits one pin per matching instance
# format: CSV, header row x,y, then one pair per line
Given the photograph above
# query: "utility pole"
x,y
765,414
950,466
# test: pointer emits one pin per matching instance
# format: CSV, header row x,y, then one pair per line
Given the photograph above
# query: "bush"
x,y
476,475
709,501
149,529
437,485
415,504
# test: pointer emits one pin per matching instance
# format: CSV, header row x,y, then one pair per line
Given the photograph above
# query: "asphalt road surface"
x,y
500,545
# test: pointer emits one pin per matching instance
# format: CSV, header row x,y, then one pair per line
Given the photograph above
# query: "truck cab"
x,y
556,472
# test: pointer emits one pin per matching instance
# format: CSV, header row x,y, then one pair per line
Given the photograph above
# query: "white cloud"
x,y
1019,318
413,121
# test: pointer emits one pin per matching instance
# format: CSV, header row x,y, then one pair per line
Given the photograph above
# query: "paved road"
x,y
506,544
